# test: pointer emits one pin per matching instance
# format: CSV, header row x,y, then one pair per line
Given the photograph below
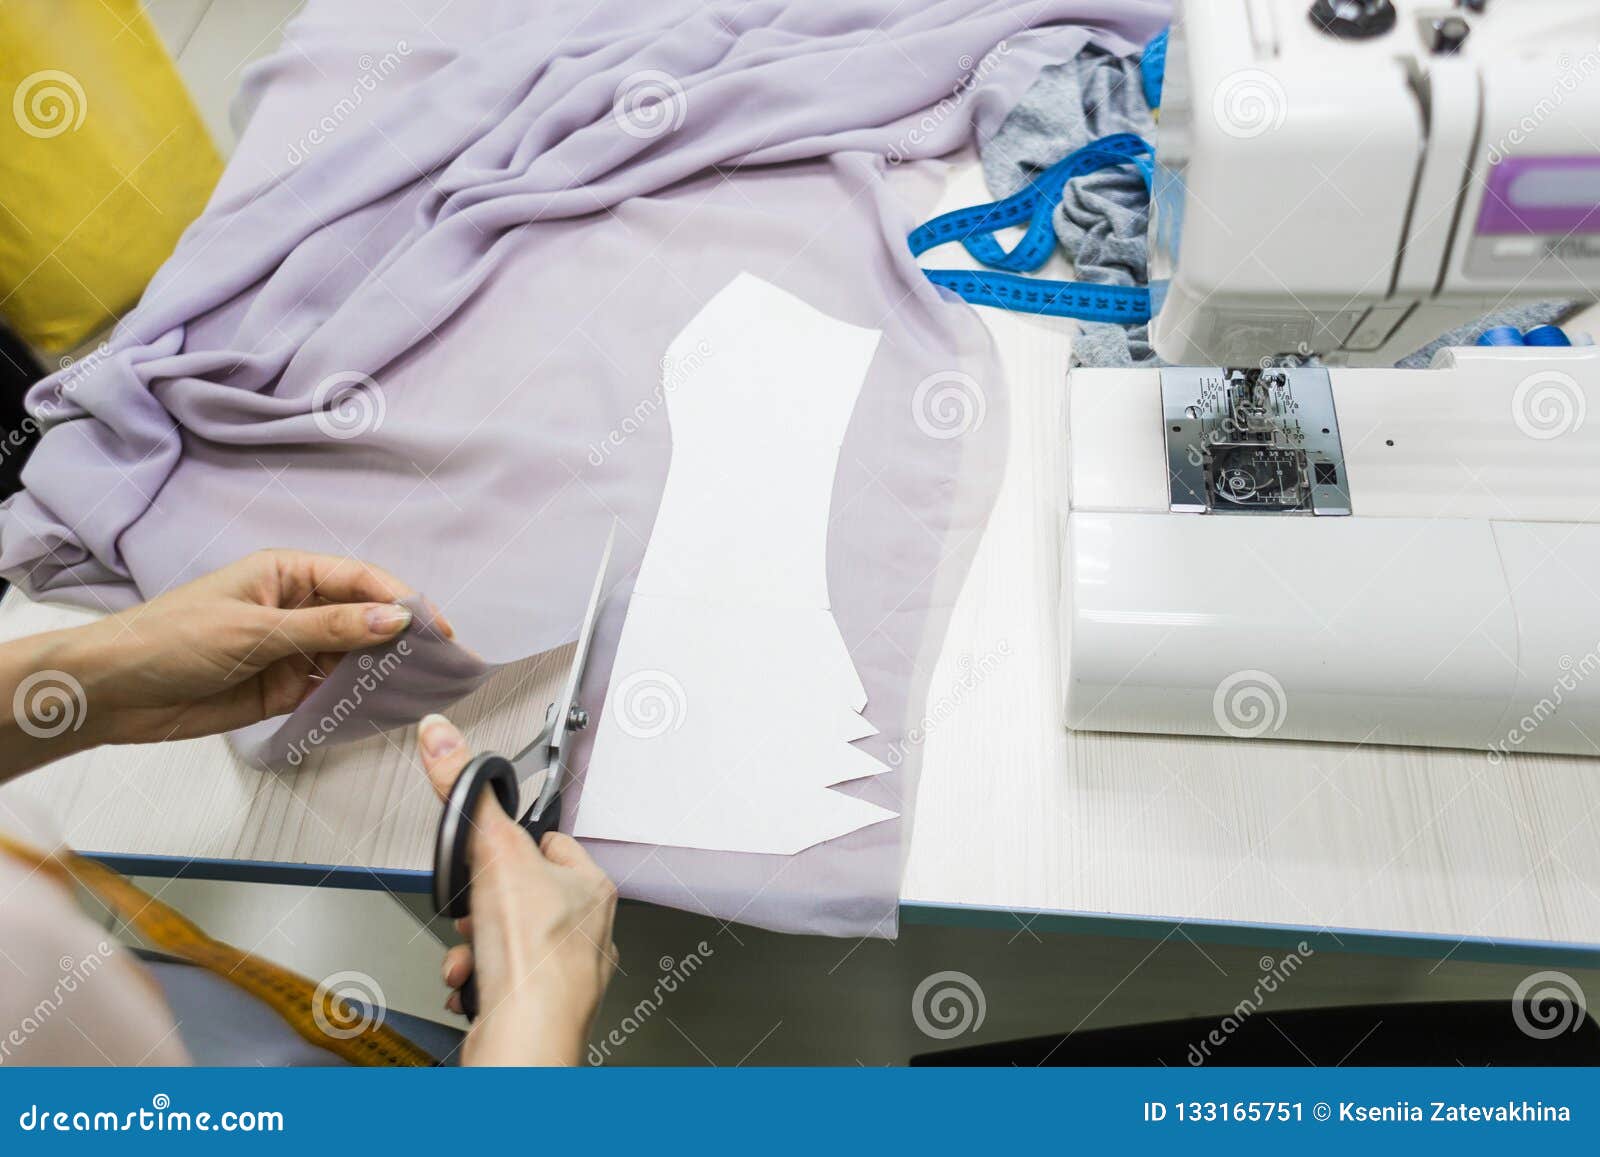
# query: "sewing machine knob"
x,y
1449,34
1353,19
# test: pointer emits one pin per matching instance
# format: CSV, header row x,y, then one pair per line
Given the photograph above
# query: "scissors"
x,y
546,756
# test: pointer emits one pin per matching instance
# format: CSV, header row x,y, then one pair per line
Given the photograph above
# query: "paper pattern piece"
x,y
733,699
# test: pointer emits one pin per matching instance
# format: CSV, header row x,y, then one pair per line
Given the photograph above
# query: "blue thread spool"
x,y
1546,335
1502,335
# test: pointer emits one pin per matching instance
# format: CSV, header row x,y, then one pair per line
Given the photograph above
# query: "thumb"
x,y
445,756
499,841
337,627
444,752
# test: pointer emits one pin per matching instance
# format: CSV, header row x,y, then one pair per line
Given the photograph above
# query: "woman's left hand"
x,y
239,645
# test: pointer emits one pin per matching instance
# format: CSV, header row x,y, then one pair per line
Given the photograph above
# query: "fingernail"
x,y
441,624
390,619
439,735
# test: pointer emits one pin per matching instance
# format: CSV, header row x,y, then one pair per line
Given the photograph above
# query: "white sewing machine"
x,y
1257,547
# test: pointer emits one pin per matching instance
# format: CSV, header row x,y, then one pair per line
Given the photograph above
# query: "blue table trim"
x,y
406,880
1415,945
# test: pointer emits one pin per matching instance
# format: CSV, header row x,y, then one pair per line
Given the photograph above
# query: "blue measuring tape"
x,y
1034,206
1153,68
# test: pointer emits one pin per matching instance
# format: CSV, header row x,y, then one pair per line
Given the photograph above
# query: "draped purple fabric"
x,y
423,322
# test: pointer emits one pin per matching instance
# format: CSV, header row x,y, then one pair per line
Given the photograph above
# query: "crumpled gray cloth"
x,y
1103,217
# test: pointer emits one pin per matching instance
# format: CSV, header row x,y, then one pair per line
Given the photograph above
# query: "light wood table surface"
x,y
1018,823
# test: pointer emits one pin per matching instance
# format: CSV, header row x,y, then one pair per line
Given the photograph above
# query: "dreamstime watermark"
x,y
1572,77
160,1117
673,374
347,1004
347,405
948,404
1549,404
1249,103
74,370
649,704
48,704
970,673
373,673
74,974
1302,354
1547,1004
947,1004
929,124
1274,974
48,103
650,103
674,973
1249,704
1236,423
1574,672
373,72
37,419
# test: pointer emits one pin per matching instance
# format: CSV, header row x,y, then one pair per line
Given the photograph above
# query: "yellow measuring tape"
x,y
304,1006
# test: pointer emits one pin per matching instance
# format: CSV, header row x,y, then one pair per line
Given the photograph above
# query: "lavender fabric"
x,y
422,322
390,685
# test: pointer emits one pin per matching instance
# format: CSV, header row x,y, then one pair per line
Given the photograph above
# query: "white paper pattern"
x,y
733,699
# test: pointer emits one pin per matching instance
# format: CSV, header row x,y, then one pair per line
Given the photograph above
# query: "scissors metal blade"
x,y
544,754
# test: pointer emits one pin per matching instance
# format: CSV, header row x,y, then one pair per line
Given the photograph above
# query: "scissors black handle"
x,y
538,826
452,876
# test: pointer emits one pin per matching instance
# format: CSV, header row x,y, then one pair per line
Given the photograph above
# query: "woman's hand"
x,y
242,644
540,929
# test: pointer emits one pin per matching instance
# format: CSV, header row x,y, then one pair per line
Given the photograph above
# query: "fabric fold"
x,y
368,691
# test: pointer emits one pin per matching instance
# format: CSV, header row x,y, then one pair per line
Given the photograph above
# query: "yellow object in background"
x,y
103,162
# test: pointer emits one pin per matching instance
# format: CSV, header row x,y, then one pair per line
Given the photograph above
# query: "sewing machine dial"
x,y
1260,441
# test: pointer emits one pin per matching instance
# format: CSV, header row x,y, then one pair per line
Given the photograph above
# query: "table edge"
x,y
1370,941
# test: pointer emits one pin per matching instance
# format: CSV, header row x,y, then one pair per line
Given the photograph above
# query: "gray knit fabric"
x,y
1103,217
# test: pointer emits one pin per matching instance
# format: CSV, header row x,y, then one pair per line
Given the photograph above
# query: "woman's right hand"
x,y
539,937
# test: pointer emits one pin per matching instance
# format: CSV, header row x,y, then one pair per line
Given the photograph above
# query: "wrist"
x,y
513,1035
90,661
531,1028
47,710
